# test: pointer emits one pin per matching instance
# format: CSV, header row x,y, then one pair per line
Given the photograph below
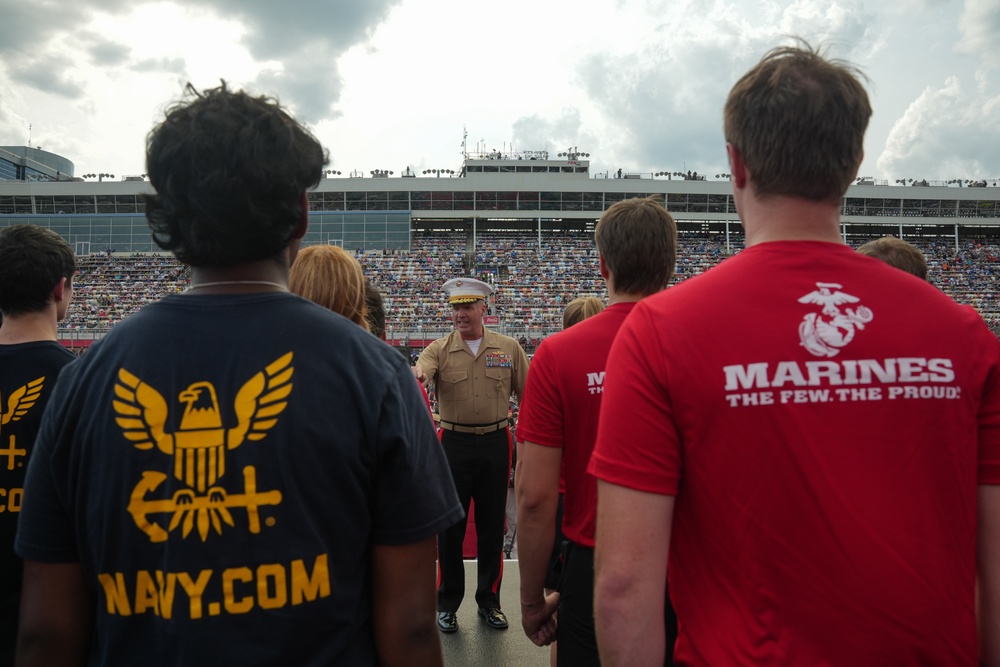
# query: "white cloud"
x,y
980,26
639,84
947,132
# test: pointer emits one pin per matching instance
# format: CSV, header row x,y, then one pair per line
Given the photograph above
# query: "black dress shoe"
x,y
493,617
447,621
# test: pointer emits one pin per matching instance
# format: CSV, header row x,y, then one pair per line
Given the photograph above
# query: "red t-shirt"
x,y
562,401
823,420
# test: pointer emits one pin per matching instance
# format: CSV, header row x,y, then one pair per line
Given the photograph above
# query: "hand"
x,y
418,373
539,619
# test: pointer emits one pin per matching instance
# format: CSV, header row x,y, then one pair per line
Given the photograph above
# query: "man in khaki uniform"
x,y
474,371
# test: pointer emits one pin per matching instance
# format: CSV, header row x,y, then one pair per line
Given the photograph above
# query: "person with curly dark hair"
x,y
230,174
234,475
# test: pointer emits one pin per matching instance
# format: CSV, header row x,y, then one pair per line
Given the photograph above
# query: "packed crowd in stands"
x,y
532,288
108,288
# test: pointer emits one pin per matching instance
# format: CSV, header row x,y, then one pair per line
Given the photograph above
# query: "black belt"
x,y
478,429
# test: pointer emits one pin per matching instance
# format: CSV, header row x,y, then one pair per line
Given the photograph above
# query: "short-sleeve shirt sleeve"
x,y
429,361
415,497
45,529
541,416
637,440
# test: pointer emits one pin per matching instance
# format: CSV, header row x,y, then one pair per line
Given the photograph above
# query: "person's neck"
x,y
472,337
267,275
28,327
615,296
783,218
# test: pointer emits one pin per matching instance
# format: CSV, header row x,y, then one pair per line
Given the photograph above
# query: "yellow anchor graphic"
x,y
199,447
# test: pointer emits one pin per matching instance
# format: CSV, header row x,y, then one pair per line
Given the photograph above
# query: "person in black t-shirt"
x,y
36,274
234,475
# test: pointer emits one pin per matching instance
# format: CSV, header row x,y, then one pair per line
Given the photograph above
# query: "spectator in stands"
x,y
330,276
808,436
36,274
268,492
107,290
637,244
897,252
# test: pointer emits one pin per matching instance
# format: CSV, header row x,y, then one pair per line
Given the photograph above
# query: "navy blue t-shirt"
x,y
28,372
220,466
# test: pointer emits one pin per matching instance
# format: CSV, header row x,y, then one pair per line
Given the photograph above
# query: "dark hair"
x,y
33,260
798,121
638,240
229,172
376,310
898,253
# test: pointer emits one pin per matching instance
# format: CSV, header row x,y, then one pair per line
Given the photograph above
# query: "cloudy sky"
x,y
390,84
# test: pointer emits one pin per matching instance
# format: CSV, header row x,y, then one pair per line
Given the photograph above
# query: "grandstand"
x,y
532,286
522,221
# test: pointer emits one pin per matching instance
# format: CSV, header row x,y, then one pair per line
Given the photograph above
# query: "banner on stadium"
x,y
491,320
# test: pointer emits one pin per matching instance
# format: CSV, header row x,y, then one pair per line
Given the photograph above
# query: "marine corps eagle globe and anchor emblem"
x,y
825,333
198,448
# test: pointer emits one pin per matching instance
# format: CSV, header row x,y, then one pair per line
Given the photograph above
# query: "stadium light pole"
x,y
573,154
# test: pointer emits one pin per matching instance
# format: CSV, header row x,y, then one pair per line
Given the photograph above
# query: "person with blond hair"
x,y
580,309
329,276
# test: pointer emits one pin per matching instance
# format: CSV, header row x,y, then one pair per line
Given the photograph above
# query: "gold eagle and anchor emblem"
x,y
199,447
21,400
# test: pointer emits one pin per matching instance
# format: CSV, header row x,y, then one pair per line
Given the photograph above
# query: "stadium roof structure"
x,y
494,191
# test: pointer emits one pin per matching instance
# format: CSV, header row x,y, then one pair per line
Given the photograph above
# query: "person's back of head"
x,y
376,310
33,260
898,253
637,238
230,172
798,120
329,276
580,309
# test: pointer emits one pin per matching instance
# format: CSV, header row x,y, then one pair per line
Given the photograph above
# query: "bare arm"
x,y
537,491
404,600
989,574
56,616
633,540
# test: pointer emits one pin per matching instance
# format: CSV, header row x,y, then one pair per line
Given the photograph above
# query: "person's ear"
x,y
300,229
737,168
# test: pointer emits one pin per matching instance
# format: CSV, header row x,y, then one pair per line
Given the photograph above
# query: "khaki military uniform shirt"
x,y
475,390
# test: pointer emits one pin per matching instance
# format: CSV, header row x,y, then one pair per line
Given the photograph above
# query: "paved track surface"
x,y
478,645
